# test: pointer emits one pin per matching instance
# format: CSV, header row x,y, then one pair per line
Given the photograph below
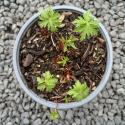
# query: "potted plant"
x,y
62,55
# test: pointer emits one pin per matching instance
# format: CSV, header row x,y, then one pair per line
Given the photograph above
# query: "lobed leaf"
x,y
54,115
50,19
79,91
67,99
49,83
87,25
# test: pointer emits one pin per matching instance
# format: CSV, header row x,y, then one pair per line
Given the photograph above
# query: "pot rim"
x,y
50,104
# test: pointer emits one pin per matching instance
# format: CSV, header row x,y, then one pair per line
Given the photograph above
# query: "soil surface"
x,y
38,54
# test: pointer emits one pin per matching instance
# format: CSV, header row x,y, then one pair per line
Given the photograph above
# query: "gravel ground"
x,y
17,108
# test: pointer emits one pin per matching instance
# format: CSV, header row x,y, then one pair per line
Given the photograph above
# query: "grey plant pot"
x,y
22,80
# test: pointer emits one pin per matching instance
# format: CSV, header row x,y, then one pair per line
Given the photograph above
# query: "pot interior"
x,y
22,77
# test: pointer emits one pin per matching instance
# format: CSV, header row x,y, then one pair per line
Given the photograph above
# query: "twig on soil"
x,y
52,40
74,78
64,94
90,83
56,93
85,54
56,97
101,40
57,35
78,65
29,41
99,61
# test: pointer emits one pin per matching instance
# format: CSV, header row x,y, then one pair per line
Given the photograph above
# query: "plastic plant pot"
x,y
22,80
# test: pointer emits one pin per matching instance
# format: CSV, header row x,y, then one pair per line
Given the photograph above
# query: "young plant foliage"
x,y
48,82
50,19
67,99
54,115
68,42
79,91
86,25
64,60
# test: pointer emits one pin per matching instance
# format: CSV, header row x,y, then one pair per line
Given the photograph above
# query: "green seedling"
x,y
50,19
86,25
68,42
54,115
48,82
67,99
64,60
79,91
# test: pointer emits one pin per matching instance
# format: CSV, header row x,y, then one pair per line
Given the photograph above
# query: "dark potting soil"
x,y
38,54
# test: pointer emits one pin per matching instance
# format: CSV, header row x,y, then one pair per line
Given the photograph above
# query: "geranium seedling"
x,y
54,115
79,92
48,82
68,42
64,60
86,25
50,19
67,99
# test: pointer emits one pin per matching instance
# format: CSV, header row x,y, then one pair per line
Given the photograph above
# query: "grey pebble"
x,y
22,2
117,120
20,8
111,101
25,115
69,114
62,114
13,6
86,6
77,120
97,5
6,3
113,33
37,122
83,121
26,121
120,91
1,49
121,14
122,36
2,105
105,94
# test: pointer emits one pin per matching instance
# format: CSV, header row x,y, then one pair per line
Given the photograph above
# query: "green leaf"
x,y
79,91
50,19
49,83
68,42
65,47
72,44
86,25
40,80
67,99
64,60
54,80
41,86
54,115
48,88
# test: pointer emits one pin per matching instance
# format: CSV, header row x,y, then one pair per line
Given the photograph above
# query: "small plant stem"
x,y
68,75
79,35
53,41
61,81
57,35
57,102
74,78
38,73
